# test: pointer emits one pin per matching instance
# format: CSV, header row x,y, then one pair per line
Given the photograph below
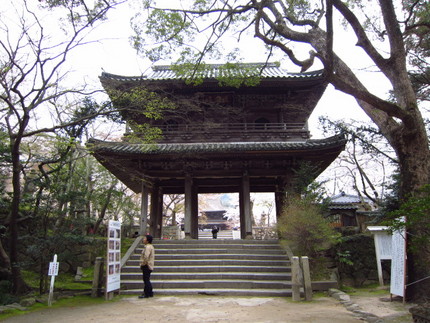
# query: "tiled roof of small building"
x,y
344,198
212,71
342,206
212,147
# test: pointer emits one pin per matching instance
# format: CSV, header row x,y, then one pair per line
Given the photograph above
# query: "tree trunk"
x,y
406,134
414,166
104,208
4,263
19,286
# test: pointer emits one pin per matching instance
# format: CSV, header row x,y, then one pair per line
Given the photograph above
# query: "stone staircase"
x,y
213,267
223,234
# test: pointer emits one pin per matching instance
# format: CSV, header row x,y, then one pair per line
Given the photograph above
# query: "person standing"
x,y
147,265
215,232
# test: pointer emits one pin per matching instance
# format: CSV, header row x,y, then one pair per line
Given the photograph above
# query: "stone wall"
x,y
355,259
171,232
264,233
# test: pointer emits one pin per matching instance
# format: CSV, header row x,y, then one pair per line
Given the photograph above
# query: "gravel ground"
x,y
197,309
218,309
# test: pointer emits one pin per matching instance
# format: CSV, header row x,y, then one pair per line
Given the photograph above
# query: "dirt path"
x,y
197,309
393,312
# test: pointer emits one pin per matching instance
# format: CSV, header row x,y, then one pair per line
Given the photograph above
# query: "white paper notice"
x,y
397,285
113,268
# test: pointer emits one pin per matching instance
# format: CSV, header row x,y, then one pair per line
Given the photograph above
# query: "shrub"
x,y
356,260
303,227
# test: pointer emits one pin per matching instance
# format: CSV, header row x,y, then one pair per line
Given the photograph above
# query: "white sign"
x,y
53,271
398,263
384,243
383,248
53,268
113,267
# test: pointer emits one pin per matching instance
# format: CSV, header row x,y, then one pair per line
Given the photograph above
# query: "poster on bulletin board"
x,y
113,263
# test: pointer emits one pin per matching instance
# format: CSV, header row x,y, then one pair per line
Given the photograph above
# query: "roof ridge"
x,y
164,67
212,71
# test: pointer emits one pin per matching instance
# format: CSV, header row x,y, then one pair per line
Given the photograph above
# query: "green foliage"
x,y
305,229
5,296
60,204
141,102
64,281
355,257
418,43
229,74
304,183
80,12
416,211
167,29
143,133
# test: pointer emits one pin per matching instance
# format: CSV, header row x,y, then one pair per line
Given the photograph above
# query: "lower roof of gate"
x,y
214,167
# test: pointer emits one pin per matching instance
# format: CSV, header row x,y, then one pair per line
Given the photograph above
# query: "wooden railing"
x,y
230,132
250,127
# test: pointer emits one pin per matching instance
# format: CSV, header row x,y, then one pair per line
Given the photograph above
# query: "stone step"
x,y
164,251
215,256
156,242
213,245
208,275
211,268
215,291
203,284
222,236
202,262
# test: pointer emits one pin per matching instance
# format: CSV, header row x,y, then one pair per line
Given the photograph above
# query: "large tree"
x,y
386,31
33,97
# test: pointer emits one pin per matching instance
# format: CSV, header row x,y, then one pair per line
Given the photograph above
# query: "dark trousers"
x,y
147,290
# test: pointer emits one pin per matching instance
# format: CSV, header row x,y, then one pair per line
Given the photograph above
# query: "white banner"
x,y
398,263
113,267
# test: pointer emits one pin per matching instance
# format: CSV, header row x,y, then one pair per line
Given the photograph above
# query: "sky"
x,y
110,51
114,54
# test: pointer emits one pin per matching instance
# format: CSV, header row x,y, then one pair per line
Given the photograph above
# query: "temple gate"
x,y
219,139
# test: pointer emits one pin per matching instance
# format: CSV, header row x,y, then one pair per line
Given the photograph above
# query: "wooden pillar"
x,y
188,206
155,212
245,208
144,210
194,212
159,214
280,202
280,198
241,214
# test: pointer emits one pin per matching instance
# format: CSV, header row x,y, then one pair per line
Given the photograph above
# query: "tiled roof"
x,y
212,71
344,198
211,147
343,207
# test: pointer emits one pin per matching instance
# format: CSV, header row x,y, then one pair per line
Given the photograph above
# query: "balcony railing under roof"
x,y
231,132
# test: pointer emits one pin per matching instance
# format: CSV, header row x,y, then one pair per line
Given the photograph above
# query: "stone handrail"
x,y
130,250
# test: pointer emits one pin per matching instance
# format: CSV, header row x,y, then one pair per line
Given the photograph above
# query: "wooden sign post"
x,y
53,271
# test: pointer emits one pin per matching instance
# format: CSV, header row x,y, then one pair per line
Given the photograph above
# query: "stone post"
x,y
295,278
306,278
96,290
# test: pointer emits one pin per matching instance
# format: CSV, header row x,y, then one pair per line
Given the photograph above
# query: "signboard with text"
x,y
398,263
113,267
